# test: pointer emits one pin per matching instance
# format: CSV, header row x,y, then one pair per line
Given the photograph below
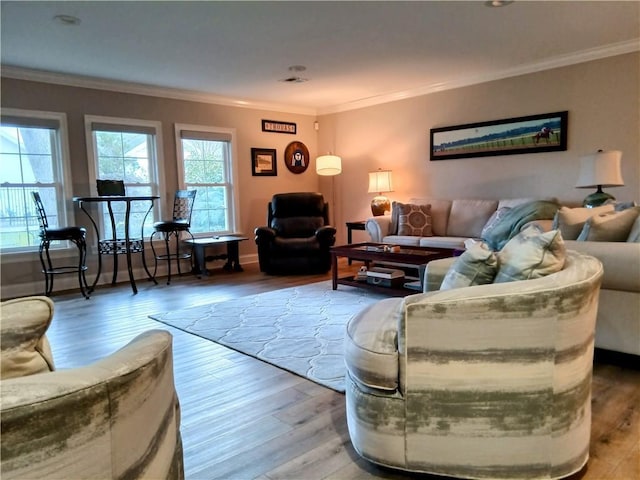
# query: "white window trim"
x,y
234,202
64,173
92,158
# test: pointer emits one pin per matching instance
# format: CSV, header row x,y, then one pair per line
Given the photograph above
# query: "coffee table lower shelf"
x,y
391,291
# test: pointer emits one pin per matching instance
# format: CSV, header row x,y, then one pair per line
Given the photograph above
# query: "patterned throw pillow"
x,y
414,220
531,254
610,227
476,266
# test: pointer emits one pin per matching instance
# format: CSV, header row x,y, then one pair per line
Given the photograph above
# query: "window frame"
x,y
233,201
156,167
62,179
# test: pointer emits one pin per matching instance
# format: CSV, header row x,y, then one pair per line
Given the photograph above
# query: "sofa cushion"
x,y
371,344
570,221
414,220
24,347
531,254
609,227
476,266
467,217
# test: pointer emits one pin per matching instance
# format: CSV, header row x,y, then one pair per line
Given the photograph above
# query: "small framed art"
x,y
263,162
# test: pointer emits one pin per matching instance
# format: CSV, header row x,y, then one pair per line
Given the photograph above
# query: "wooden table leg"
x,y
334,271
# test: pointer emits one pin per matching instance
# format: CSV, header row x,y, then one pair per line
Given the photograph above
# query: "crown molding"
x,y
547,64
194,96
33,75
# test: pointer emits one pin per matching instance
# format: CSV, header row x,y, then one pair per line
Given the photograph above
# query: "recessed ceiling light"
x,y
294,79
66,20
498,3
297,68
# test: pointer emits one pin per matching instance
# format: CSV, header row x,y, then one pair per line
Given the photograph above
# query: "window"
x,y
206,162
33,157
123,149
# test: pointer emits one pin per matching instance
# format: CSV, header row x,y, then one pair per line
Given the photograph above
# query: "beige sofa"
x,y
116,418
452,222
488,381
618,326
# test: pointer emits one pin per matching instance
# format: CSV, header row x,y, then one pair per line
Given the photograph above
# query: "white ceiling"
x,y
356,53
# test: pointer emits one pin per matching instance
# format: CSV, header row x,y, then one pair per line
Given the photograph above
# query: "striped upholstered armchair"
x,y
489,381
116,418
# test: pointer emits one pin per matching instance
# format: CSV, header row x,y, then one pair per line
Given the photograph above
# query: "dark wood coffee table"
x,y
375,253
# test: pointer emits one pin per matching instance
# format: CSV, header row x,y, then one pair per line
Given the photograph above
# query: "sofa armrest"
x,y
435,272
621,262
378,227
264,235
116,418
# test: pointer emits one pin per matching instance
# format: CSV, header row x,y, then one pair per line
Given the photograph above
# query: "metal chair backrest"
x,y
108,188
183,206
42,214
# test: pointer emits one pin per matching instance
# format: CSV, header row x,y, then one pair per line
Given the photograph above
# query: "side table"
x,y
232,256
351,226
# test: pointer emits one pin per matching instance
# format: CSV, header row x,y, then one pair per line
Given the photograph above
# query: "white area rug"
x,y
299,329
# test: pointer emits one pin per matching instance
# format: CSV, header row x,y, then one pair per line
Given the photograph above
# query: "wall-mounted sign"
x,y
296,157
278,127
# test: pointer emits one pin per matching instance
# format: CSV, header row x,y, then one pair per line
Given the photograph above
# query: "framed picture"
x,y
263,162
546,132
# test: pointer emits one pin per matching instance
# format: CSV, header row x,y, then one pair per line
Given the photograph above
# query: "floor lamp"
x,y
330,166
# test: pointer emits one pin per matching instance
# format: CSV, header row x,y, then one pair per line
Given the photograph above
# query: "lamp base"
x,y
379,205
597,198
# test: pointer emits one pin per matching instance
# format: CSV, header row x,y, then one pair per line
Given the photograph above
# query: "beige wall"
x,y
602,98
603,101
24,277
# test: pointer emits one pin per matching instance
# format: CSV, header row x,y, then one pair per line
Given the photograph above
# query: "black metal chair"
x,y
181,222
73,234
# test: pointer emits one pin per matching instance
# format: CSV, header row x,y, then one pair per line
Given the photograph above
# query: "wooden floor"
x,y
245,419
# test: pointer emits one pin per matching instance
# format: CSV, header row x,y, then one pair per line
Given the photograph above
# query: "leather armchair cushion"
x,y
298,226
298,244
297,205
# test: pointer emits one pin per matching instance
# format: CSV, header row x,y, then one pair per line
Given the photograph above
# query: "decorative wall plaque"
x,y
278,127
296,157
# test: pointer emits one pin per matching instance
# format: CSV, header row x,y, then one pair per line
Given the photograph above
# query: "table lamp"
x,y
601,169
380,182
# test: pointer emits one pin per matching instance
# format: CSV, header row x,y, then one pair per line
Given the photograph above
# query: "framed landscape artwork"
x,y
263,162
531,134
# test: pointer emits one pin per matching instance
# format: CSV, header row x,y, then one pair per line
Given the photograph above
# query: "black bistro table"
x,y
117,246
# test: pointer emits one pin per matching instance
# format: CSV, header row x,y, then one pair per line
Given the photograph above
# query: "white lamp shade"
x,y
328,165
380,181
600,169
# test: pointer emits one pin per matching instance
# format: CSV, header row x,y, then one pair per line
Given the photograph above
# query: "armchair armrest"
x,y
24,346
326,235
264,235
118,417
378,227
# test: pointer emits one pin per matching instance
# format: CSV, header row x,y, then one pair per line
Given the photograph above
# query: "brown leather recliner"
x,y
298,237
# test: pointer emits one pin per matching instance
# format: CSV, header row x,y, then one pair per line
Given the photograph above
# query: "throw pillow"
x,y
634,234
531,254
476,266
610,227
493,221
570,221
414,220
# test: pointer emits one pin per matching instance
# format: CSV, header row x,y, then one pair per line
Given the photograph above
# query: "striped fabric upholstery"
x,y
116,418
24,347
494,380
